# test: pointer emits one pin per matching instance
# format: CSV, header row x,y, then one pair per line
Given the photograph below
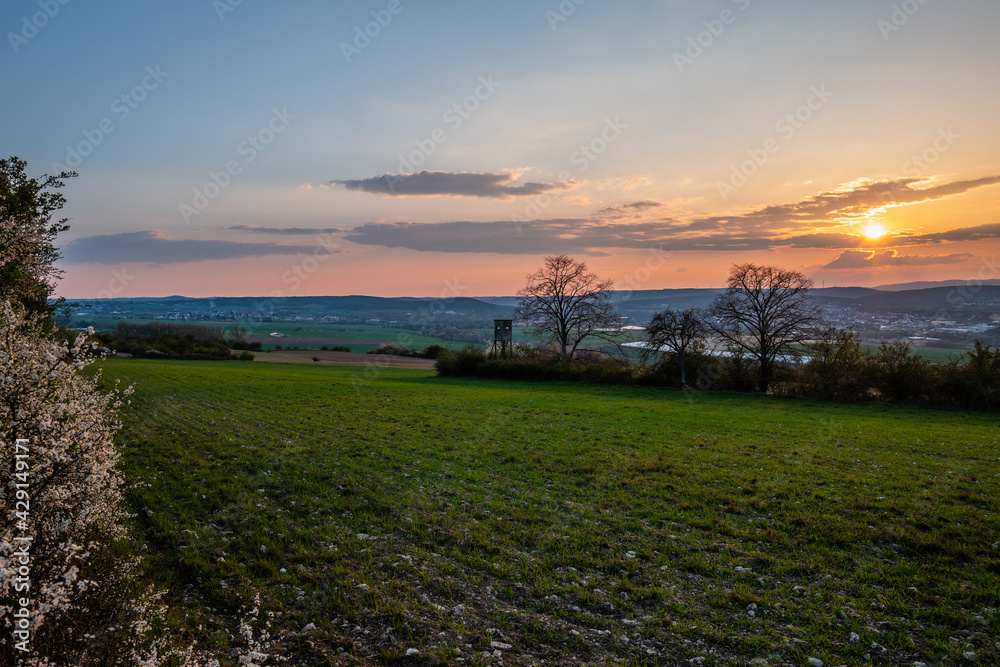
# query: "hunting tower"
x,y
503,338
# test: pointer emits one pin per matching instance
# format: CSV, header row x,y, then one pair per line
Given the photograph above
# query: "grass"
x,y
930,353
342,359
573,523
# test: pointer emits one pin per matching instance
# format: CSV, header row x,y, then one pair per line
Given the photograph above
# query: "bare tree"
x,y
679,331
237,332
564,303
765,311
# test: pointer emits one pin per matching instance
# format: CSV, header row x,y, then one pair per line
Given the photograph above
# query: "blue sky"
x,y
667,121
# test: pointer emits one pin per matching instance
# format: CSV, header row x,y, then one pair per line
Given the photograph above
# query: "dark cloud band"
x,y
866,259
284,231
461,184
152,247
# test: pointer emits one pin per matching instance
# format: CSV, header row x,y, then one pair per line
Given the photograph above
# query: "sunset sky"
x,y
399,147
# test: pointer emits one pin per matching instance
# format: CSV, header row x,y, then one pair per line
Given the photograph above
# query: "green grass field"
x,y
934,354
574,524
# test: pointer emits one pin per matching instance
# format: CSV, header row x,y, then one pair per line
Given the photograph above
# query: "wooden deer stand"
x,y
503,338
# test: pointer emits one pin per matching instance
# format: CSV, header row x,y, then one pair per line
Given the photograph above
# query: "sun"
x,y
874,231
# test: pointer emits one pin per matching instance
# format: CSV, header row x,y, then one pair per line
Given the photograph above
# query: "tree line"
x,y
764,333
179,340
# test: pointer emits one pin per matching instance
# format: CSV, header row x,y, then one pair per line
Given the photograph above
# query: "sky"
x,y
401,147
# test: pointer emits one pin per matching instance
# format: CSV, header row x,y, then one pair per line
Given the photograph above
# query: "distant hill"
x,y
638,305
175,297
499,300
935,297
902,287
317,304
844,292
360,303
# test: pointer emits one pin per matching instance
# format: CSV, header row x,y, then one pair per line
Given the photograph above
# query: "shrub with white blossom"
x,y
70,593
62,522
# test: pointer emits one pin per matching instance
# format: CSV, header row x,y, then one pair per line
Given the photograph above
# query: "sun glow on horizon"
x,y
874,231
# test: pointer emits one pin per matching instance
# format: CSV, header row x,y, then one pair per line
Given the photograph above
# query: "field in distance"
x,y
369,361
568,523
312,335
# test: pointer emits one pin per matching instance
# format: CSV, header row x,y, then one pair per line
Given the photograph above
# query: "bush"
x,y
900,375
433,351
527,364
174,340
394,350
976,383
464,362
736,372
702,371
839,367
608,371
77,517
430,352
339,348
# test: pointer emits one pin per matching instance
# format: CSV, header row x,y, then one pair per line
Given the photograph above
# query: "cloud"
x,y
854,200
824,221
285,231
635,208
460,184
979,233
866,259
578,235
153,247
502,237
825,240
845,205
